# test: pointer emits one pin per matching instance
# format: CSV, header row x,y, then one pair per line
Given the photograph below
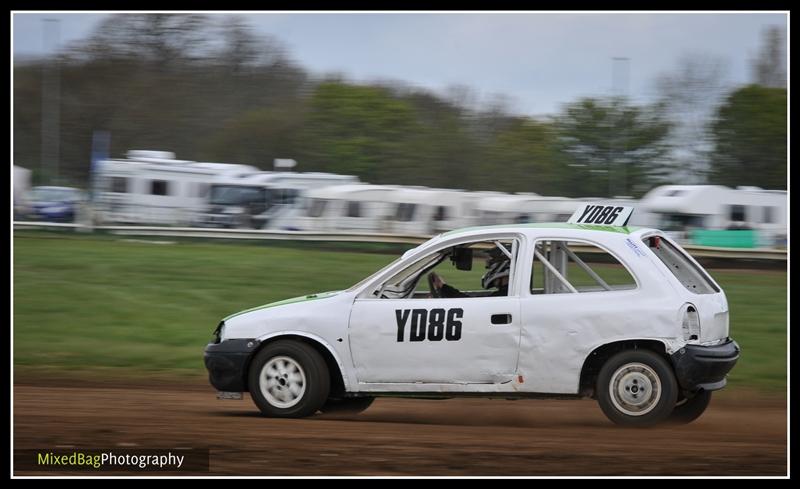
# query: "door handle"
x,y
501,318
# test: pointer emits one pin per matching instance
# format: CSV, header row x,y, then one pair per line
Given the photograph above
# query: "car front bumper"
x,y
705,367
227,363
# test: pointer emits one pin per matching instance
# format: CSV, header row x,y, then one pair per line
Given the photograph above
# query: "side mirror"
x,y
462,258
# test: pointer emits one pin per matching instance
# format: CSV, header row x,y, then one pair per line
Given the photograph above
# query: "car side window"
x,y
476,269
561,266
688,274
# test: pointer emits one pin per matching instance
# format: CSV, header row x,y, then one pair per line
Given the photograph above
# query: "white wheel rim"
x,y
282,382
635,389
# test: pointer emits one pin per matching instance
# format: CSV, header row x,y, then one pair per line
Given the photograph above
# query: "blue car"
x,y
59,204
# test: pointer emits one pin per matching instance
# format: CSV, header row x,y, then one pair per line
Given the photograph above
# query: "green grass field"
x,y
100,305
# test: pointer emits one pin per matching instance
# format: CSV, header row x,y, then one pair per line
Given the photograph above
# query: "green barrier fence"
x,y
739,238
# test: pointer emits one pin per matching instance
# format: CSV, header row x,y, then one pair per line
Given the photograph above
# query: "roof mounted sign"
x,y
600,214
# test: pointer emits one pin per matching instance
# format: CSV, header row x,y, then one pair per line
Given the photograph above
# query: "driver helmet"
x,y
498,266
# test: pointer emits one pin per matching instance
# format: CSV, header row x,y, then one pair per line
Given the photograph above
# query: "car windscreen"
x,y
53,195
236,195
367,279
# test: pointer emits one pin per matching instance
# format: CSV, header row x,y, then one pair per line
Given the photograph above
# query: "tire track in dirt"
x,y
738,435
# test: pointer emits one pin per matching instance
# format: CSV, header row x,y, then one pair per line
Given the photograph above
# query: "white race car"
x,y
588,308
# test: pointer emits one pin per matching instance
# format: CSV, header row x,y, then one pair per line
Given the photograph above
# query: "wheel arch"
x,y
595,360
339,382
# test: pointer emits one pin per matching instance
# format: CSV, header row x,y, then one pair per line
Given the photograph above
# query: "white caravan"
x,y
357,207
428,211
682,208
22,187
522,208
152,187
260,200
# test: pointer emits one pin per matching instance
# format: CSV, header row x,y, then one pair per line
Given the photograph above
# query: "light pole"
x,y
51,99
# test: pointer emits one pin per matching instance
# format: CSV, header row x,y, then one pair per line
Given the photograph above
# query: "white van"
x,y
260,200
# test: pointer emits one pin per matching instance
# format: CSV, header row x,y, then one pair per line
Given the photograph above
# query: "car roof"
x,y
589,228
51,187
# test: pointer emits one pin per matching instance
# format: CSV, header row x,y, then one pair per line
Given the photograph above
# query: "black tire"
x,y
353,405
636,388
288,366
689,409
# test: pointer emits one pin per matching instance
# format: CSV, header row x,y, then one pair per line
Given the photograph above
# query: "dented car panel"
x,y
388,344
322,318
389,338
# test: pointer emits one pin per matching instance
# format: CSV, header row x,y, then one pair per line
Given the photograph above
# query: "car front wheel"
x,y
636,388
689,409
288,379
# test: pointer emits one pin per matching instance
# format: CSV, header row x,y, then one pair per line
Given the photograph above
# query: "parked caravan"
x,y
523,208
429,211
152,187
357,207
686,210
22,187
255,200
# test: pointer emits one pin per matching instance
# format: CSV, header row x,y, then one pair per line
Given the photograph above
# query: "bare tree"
x,y
161,39
690,96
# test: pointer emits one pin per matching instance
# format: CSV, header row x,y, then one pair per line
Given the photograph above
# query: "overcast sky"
x,y
539,60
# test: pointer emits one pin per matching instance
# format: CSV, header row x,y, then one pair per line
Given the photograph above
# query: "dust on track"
x,y
738,435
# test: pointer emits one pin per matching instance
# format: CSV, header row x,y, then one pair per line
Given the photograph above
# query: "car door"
x,y
435,340
579,300
460,340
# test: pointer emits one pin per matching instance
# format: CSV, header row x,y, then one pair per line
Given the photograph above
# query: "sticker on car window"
x,y
633,246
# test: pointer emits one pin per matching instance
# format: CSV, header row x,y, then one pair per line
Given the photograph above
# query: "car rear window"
x,y
694,278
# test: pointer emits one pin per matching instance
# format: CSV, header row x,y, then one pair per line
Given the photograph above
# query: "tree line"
x,y
210,88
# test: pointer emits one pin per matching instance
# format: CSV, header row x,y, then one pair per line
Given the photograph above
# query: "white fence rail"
x,y
215,233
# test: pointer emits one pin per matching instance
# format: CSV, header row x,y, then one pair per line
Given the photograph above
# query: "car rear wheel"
x,y
353,405
636,388
288,379
689,409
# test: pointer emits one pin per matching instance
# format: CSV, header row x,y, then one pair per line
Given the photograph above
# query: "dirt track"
x,y
738,435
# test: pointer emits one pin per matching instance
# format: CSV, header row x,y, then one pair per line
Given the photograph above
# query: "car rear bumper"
x,y
705,367
227,363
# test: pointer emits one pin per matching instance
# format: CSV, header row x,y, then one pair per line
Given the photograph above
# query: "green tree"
x,y
360,130
159,81
611,147
523,157
751,139
443,150
259,136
